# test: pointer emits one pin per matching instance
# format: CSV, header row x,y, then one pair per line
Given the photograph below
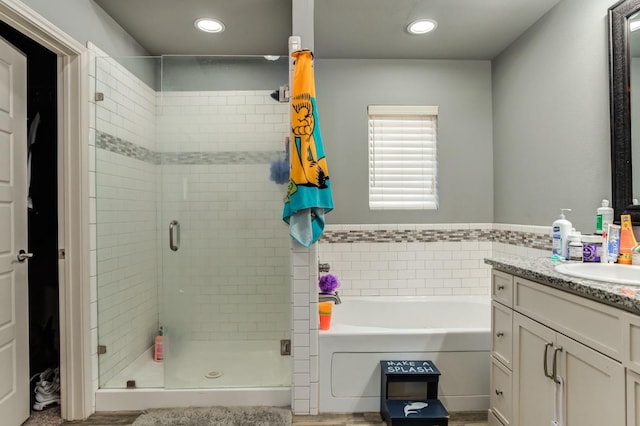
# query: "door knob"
x,y
23,255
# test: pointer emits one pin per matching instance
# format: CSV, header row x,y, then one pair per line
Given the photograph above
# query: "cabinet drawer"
x,y
596,325
502,335
500,398
502,287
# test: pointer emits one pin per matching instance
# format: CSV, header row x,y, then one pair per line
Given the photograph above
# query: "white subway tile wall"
x,y
304,329
127,267
223,121
421,260
125,215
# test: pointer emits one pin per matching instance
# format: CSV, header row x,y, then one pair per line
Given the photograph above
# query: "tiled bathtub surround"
x,y
410,260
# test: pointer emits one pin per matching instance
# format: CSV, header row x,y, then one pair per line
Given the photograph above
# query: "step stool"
x,y
409,394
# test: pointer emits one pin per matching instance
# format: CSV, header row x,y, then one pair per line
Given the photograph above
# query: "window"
x,y
402,157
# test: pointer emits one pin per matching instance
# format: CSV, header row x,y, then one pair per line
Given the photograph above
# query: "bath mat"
x,y
219,416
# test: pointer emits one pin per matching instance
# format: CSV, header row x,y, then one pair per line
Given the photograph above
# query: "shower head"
x,y
281,94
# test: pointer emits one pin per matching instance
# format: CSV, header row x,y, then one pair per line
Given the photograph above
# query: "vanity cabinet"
x,y
557,355
591,389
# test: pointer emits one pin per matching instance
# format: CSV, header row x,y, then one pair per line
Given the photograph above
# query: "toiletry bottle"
x,y
604,215
612,242
627,240
575,246
559,233
158,348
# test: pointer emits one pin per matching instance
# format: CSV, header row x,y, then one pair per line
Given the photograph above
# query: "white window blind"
x,y
402,157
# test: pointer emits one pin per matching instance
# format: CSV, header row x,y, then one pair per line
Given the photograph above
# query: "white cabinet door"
x,y
533,391
14,303
633,398
594,386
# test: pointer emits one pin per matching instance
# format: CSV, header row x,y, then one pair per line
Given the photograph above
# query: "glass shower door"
x,y
126,221
224,248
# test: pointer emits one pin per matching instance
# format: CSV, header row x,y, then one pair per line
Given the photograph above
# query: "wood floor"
x,y
373,419
357,419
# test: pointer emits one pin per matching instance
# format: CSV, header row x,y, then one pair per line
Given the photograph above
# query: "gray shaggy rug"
x,y
218,416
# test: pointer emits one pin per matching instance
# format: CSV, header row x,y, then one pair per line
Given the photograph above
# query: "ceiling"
x,y
467,29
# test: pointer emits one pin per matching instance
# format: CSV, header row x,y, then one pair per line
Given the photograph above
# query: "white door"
x,y
14,295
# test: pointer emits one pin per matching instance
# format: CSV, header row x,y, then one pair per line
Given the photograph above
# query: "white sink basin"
x,y
607,272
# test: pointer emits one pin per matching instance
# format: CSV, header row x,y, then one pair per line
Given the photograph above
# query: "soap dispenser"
x,y
560,231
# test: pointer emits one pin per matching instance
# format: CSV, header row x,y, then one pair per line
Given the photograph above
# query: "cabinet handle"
x,y
500,287
499,392
499,334
544,361
555,363
174,235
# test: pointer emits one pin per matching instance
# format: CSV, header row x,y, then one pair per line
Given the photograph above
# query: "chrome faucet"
x,y
329,297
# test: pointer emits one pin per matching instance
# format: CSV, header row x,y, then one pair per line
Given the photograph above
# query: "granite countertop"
x,y
541,270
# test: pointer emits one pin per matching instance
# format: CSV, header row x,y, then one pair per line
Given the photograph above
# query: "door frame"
x,y
73,204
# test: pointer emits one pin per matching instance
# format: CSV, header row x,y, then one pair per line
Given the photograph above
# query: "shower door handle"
x,y
174,235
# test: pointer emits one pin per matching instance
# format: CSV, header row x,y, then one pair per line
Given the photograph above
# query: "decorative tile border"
x,y
120,146
238,157
516,238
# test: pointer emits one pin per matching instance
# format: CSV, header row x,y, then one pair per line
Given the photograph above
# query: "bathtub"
x,y
453,332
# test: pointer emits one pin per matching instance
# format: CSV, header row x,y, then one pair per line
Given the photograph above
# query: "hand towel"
x,y
309,190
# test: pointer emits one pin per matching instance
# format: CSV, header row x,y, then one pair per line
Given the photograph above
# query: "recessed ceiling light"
x,y
422,26
209,25
271,57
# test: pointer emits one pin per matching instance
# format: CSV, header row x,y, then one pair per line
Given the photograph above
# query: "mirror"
x,y
620,65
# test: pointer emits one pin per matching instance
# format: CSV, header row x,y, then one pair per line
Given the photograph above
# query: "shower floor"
x,y
187,364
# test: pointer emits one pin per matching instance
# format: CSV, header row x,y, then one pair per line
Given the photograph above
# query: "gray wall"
x,y
223,73
86,21
551,118
461,89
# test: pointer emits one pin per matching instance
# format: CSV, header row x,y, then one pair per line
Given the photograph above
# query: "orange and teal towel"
x,y
309,191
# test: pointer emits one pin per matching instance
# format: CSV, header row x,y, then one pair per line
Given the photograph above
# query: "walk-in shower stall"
x,y
189,233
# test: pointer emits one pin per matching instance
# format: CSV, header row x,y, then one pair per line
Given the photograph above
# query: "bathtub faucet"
x,y
329,297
